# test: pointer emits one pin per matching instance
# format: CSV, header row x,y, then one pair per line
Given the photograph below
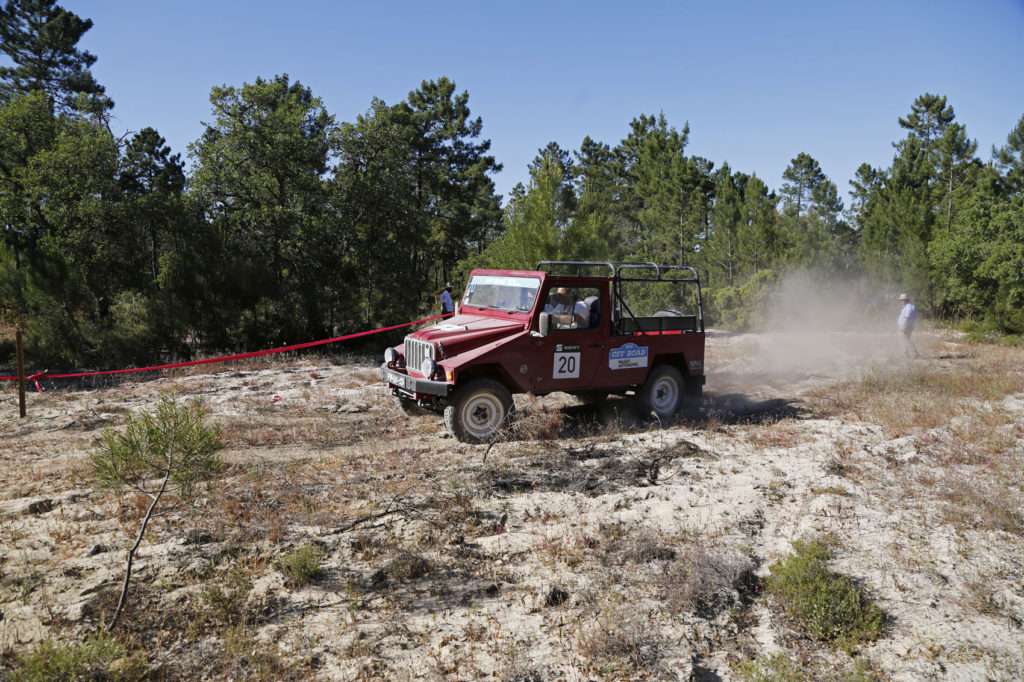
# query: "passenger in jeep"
x,y
565,312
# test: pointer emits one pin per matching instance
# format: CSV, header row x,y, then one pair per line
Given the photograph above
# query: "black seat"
x,y
594,303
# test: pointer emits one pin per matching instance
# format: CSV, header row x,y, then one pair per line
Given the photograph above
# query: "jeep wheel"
x,y
662,392
478,411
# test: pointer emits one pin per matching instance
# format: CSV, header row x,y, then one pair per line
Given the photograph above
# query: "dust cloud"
x,y
815,329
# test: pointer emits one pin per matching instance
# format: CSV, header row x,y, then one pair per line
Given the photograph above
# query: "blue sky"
x,y
758,82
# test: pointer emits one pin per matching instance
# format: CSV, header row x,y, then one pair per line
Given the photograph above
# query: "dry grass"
x,y
365,377
985,437
956,457
619,642
535,422
781,434
977,503
910,399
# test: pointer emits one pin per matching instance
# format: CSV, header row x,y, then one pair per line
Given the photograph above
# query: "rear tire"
x,y
479,410
662,392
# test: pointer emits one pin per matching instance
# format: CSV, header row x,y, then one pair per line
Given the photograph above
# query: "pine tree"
x,y
259,177
803,176
537,228
153,180
373,194
929,115
1010,159
664,195
811,208
598,226
41,38
453,187
760,238
723,246
955,156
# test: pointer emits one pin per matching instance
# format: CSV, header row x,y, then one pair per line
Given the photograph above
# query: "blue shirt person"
x,y
446,300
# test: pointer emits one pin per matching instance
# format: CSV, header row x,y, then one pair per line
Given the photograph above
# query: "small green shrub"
x,y
860,671
103,657
772,668
826,605
226,602
302,566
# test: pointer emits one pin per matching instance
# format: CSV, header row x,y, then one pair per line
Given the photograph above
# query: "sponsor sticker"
x,y
629,356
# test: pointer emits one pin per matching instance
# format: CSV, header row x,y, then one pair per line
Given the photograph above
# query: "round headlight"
x,y
428,367
390,355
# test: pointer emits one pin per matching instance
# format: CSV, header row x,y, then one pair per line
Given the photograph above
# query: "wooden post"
x,y
21,372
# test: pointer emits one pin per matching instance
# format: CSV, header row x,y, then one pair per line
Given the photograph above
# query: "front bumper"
x,y
412,387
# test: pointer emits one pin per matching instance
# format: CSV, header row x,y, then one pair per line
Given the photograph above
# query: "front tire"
x,y
662,392
479,410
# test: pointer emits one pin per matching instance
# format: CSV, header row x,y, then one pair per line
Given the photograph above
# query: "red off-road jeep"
x,y
585,328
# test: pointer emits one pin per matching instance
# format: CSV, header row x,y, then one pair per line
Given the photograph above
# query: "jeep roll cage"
x,y
662,273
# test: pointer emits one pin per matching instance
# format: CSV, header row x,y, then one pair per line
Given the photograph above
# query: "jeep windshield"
x,y
502,292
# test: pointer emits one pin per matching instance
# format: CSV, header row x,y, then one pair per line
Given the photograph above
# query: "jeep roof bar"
x,y
661,272
617,267
579,265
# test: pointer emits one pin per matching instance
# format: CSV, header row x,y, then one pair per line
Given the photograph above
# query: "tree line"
x,y
290,226
939,222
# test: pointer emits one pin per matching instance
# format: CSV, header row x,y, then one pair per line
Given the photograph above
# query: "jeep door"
x,y
568,358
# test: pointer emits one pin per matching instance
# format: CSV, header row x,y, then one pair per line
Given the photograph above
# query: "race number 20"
x,y
567,362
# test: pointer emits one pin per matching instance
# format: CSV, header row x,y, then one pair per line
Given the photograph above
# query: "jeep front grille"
x,y
416,351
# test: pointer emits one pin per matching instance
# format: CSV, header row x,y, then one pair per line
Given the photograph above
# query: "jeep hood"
x,y
464,332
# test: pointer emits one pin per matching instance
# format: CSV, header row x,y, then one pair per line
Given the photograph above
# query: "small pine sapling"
x,y
163,455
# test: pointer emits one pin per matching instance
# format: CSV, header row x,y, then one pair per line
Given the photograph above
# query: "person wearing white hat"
x,y
908,316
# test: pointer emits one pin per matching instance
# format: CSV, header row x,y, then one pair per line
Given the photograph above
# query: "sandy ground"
x,y
592,545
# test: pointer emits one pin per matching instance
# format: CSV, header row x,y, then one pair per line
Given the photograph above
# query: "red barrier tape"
x,y
283,349
34,379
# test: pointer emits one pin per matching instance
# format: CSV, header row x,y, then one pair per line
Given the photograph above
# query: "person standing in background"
x,y
907,318
447,307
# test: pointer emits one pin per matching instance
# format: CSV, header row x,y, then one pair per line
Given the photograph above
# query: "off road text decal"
x,y
629,356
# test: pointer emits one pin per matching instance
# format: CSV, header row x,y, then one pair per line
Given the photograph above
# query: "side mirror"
x,y
545,324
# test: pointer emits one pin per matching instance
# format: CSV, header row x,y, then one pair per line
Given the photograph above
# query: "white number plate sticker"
x,y
567,361
397,379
